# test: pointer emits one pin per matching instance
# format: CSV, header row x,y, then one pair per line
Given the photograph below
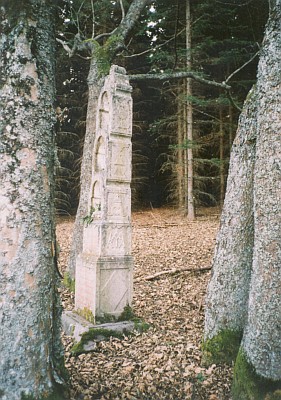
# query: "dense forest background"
x,y
219,40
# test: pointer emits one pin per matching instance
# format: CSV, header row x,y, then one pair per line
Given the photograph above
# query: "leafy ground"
x,y
164,362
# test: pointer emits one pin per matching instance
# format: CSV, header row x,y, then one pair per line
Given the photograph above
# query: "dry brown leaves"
x,y
165,362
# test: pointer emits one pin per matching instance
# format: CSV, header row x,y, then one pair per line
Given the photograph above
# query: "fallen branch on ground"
x,y
175,271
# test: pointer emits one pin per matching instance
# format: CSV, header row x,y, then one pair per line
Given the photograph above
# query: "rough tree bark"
x,y
102,56
31,352
243,314
189,120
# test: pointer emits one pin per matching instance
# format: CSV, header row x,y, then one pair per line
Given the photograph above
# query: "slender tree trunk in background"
x,y
189,119
180,171
244,293
31,352
185,155
221,133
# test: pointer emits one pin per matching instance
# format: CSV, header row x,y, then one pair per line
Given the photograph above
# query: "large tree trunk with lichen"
x,y
30,347
244,294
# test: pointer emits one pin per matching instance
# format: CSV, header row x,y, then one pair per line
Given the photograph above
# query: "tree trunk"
x,y
31,351
222,188
180,150
189,120
101,59
244,292
95,83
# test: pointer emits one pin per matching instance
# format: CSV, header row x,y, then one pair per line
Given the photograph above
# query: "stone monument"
x,y
104,269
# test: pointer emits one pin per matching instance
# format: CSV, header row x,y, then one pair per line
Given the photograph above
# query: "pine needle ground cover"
x,y
165,361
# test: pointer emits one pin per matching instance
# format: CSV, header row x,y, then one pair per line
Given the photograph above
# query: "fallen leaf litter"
x,y
164,362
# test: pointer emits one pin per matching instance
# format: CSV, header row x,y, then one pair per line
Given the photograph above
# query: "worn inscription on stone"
x,y
119,206
122,118
120,168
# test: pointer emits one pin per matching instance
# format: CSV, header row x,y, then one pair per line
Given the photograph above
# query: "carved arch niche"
x,y
99,159
104,113
96,197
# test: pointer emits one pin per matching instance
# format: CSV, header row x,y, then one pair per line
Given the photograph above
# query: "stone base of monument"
x,y
103,285
78,327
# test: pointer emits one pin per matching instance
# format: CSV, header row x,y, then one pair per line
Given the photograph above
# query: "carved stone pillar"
x,y
104,269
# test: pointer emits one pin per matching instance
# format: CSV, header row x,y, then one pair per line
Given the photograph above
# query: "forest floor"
x,y
165,361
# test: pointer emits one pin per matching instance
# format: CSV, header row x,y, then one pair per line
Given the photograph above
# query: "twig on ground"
x,y
174,271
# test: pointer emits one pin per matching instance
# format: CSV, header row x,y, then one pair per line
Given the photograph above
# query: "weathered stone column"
x,y
104,269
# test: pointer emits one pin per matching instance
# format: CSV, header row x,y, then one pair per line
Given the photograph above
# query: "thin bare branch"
x,y
233,102
242,66
77,15
174,271
122,9
78,45
102,35
93,18
154,48
179,75
66,47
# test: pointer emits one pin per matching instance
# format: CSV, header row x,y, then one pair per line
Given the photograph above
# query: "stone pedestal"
x,y
104,269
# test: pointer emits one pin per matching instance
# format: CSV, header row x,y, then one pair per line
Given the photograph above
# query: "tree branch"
x,y
93,17
179,75
242,66
131,17
154,48
174,271
78,45
122,9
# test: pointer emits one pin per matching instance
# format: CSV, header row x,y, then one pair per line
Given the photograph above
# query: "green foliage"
x,y
248,385
105,53
88,219
223,38
186,144
140,325
200,377
68,282
106,318
221,348
127,314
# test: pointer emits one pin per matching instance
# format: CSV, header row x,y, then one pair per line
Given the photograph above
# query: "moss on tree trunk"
x,y
244,293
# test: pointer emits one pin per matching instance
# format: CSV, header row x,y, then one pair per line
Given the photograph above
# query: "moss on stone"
x,y
87,314
140,325
127,314
106,318
222,348
93,334
248,385
99,334
68,282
